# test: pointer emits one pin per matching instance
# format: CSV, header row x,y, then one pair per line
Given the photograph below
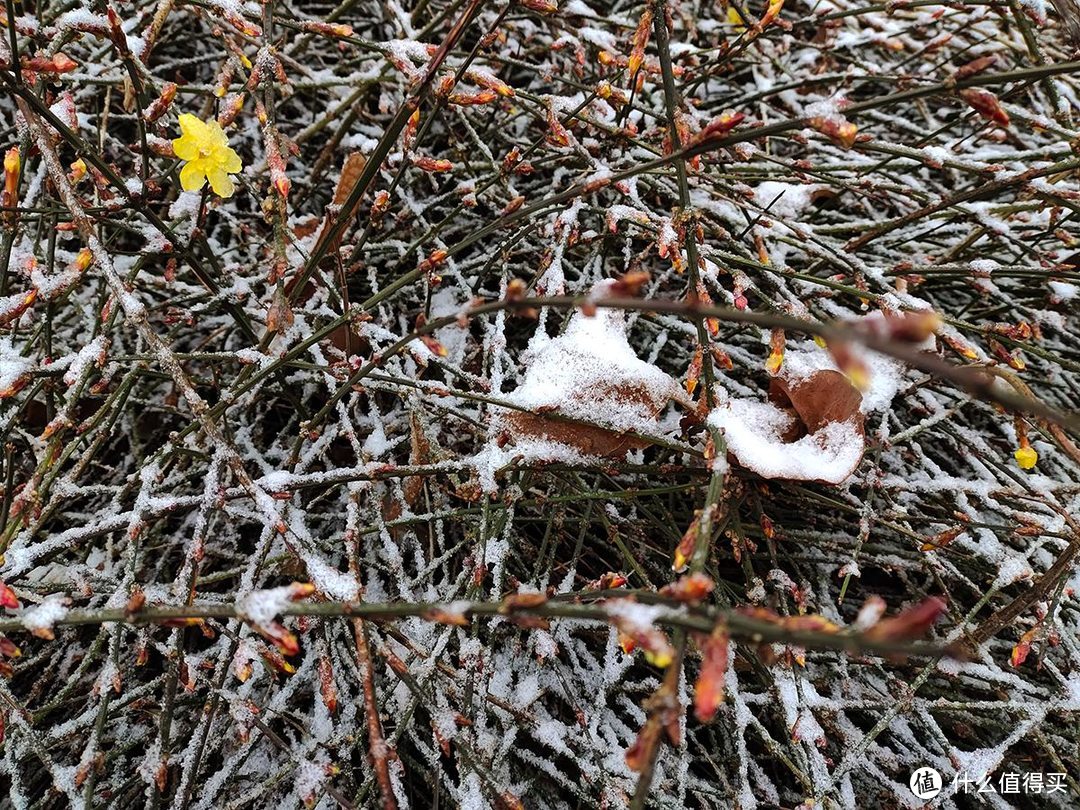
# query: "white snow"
x,y
13,366
784,201
260,607
1063,290
587,371
78,363
41,618
753,431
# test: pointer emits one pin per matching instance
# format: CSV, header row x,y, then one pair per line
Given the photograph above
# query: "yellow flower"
x,y
1026,457
205,148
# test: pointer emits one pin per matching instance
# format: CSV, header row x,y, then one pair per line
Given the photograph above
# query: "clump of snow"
x,y
309,779
591,372
50,286
186,205
41,618
254,357
885,378
1012,570
80,361
260,607
786,201
13,366
754,433
1063,291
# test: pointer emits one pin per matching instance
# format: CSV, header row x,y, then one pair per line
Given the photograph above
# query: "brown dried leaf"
x,y
592,440
821,398
816,404
350,175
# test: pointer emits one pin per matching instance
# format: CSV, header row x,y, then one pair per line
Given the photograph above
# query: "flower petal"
x,y
220,181
228,160
185,148
216,135
191,126
193,176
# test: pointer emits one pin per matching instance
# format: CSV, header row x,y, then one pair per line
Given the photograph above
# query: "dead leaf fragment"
x,y
823,397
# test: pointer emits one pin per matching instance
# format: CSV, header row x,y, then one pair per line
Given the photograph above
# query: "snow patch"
x,y
754,431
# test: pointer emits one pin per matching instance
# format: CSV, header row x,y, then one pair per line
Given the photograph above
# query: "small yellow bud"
x,y
83,259
1026,457
659,658
78,170
859,376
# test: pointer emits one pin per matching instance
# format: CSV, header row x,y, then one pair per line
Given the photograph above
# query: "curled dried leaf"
x,y
819,399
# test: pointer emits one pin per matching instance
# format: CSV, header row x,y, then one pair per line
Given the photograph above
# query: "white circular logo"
x,y
925,783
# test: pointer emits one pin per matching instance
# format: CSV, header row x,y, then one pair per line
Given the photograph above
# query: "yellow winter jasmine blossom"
x,y
205,148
